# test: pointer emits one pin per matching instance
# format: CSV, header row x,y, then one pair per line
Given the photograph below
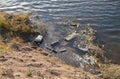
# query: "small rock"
x,y
75,24
71,36
54,43
49,48
54,51
34,47
63,50
39,38
83,47
60,50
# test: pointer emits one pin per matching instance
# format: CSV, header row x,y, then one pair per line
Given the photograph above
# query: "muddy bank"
x,y
74,45
19,37
20,59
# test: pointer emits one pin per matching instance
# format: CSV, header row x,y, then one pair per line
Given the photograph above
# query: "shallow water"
x,y
103,15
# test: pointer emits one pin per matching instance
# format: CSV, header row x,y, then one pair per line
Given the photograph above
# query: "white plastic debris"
x,y
39,38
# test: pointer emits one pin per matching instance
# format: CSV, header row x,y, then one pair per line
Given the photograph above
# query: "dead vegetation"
x,y
110,71
17,29
16,26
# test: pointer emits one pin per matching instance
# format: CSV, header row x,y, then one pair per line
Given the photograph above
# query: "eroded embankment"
x,y
21,60
74,46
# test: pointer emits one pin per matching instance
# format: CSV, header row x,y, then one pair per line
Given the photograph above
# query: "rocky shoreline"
x,y
21,58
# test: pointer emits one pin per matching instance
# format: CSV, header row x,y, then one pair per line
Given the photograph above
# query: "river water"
x,y
103,15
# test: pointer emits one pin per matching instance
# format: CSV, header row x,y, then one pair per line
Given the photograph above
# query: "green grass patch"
x,y
29,73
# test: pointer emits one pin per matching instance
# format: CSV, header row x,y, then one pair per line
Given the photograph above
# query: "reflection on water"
x,y
103,15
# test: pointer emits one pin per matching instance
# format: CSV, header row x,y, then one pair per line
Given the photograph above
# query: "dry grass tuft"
x,y
15,25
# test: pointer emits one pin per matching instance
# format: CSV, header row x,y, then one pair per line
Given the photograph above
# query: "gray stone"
x,y
71,36
83,47
54,43
54,51
49,48
61,50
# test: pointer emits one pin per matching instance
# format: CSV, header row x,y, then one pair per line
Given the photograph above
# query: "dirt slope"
x,y
33,63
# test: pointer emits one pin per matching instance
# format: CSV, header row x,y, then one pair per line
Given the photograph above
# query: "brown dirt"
x,y
28,62
110,71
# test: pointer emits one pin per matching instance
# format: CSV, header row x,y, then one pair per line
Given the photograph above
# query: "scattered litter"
x,y
39,38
